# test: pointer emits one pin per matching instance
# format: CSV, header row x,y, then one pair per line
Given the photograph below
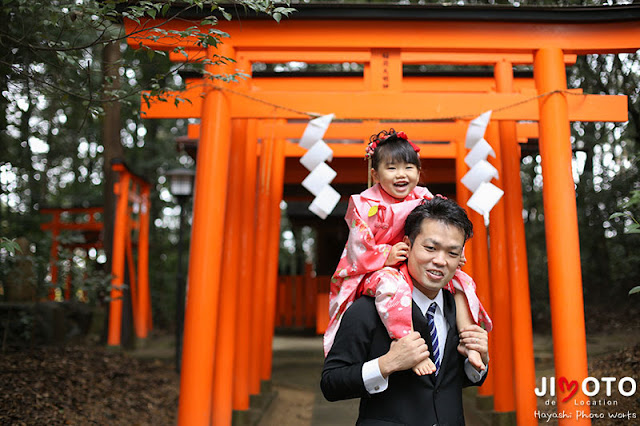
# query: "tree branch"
x,y
98,41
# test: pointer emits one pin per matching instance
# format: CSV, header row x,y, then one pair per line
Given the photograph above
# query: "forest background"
x,y
65,69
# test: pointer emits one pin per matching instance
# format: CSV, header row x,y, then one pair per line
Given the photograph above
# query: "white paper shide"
x,y
485,195
319,180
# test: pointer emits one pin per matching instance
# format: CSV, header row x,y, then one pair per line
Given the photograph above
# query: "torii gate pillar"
x,y
561,228
245,310
523,359
196,381
273,251
502,356
118,261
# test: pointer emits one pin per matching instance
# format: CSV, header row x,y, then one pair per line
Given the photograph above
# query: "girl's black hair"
x,y
392,149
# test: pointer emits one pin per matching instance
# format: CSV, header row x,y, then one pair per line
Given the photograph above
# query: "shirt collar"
x,y
424,302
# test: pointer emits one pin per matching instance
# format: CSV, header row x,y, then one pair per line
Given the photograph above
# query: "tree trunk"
x,y
111,124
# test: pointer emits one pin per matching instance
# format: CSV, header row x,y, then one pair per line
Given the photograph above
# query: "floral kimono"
x,y
376,222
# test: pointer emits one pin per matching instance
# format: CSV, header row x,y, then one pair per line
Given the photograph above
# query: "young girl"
x,y
374,248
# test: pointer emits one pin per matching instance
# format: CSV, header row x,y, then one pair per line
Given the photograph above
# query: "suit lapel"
x,y
449,346
421,325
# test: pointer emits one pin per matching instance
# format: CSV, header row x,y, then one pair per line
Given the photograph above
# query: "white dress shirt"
x,y
374,382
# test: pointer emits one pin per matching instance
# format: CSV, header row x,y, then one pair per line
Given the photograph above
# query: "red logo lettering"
x,y
567,386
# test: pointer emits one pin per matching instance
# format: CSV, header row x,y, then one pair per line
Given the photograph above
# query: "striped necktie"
x,y
434,335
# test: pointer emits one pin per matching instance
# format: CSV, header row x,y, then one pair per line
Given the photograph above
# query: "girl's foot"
x,y
476,360
425,367
474,357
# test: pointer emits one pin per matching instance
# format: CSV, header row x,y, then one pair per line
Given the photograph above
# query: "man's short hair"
x,y
442,210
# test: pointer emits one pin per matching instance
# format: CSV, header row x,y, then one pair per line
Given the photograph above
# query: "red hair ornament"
x,y
373,145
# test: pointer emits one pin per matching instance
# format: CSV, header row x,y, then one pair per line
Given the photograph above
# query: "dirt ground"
x,y
84,385
292,407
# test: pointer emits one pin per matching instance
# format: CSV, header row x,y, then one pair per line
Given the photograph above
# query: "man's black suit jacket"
x,y
410,399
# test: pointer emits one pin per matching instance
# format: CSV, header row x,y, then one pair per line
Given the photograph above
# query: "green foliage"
x,y
52,46
503,3
9,245
28,273
631,225
52,152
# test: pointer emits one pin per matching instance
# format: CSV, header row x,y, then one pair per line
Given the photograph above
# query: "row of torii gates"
x,y
247,152
129,251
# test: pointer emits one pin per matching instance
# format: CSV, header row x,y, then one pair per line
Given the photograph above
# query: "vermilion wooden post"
x,y
305,297
121,189
524,363
298,285
481,277
273,249
144,297
289,316
311,295
247,135
477,257
316,294
133,284
196,380
227,330
462,196
322,312
280,309
303,300
246,277
502,356
561,228
261,261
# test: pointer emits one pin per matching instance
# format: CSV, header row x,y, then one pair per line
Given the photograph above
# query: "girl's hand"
x,y
397,254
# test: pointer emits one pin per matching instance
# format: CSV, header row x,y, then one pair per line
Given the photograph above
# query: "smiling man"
x,y
365,363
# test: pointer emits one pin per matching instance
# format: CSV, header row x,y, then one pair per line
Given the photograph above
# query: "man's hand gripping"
x,y
403,354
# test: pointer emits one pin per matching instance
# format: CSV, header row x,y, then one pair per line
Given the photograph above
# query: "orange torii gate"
x,y
219,317
129,189
80,219
132,195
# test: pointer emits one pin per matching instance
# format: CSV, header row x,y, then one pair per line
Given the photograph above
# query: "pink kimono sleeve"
x,y
361,255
